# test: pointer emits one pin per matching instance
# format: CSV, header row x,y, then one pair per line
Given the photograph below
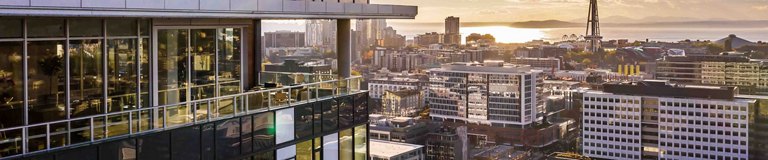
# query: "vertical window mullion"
x,y
26,86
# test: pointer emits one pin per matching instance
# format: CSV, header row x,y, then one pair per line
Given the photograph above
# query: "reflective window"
x,y
86,77
122,73
11,84
304,150
121,27
284,126
331,146
264,131
346,112
203,78
207,141
185,143
11,143
228,139
86,28
286,153
246,142
153,146
119,150
46,28
361,108
172,66
303,120
144,72
47,98
330,115
11,28
345,144
361,142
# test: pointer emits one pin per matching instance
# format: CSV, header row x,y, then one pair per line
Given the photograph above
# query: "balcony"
x,y
103,128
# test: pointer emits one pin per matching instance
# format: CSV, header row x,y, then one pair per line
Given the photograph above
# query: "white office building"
x,y
491,93
654,119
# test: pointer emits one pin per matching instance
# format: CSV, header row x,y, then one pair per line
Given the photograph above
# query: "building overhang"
x,y
234,9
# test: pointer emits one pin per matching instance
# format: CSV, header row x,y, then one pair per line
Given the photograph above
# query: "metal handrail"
x,y
164,108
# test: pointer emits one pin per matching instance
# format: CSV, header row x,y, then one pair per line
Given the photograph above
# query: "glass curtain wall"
x,y
74,68
195,64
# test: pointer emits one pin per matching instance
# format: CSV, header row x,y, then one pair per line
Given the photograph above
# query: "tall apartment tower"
x,y
173,79
452,30
654,119
491,93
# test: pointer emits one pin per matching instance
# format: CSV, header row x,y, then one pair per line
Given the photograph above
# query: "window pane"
x,y
361,108
264,131
11,84
46,81
12,143
203,63
185,143
286,153
11,28
331,146
304,150
154,146
330,115
229,61
172,66
303,120
267,155
228,139
122,72
41,28
119,150
144,72
346,111
345,144
144,27
246,130
285,128
85,28
86,77
207,140
361,142
121,27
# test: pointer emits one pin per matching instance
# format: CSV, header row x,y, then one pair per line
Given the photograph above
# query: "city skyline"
x,y
612,11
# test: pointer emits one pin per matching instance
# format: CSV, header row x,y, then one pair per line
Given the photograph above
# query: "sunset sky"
x,y
572,10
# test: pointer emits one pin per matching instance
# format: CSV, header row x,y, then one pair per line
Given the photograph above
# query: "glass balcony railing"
x,y
83,130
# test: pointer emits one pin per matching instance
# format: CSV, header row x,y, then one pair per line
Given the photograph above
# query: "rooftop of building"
x,y
530,58
725,57
489,67
380,148
664,88
405,92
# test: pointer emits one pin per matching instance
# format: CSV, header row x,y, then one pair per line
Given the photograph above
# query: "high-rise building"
x,y
751,75
284,39
546,64
655,119
452,30
170,79
493,93
321,33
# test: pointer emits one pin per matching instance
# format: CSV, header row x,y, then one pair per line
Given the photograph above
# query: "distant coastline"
x,y
566,24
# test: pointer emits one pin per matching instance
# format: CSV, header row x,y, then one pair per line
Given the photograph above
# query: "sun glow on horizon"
x,y
505,34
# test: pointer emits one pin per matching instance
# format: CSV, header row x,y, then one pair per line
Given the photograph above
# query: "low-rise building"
x,y
388,150
402,103
448,144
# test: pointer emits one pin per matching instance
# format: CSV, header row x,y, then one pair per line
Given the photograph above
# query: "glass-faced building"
x,y
172,79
